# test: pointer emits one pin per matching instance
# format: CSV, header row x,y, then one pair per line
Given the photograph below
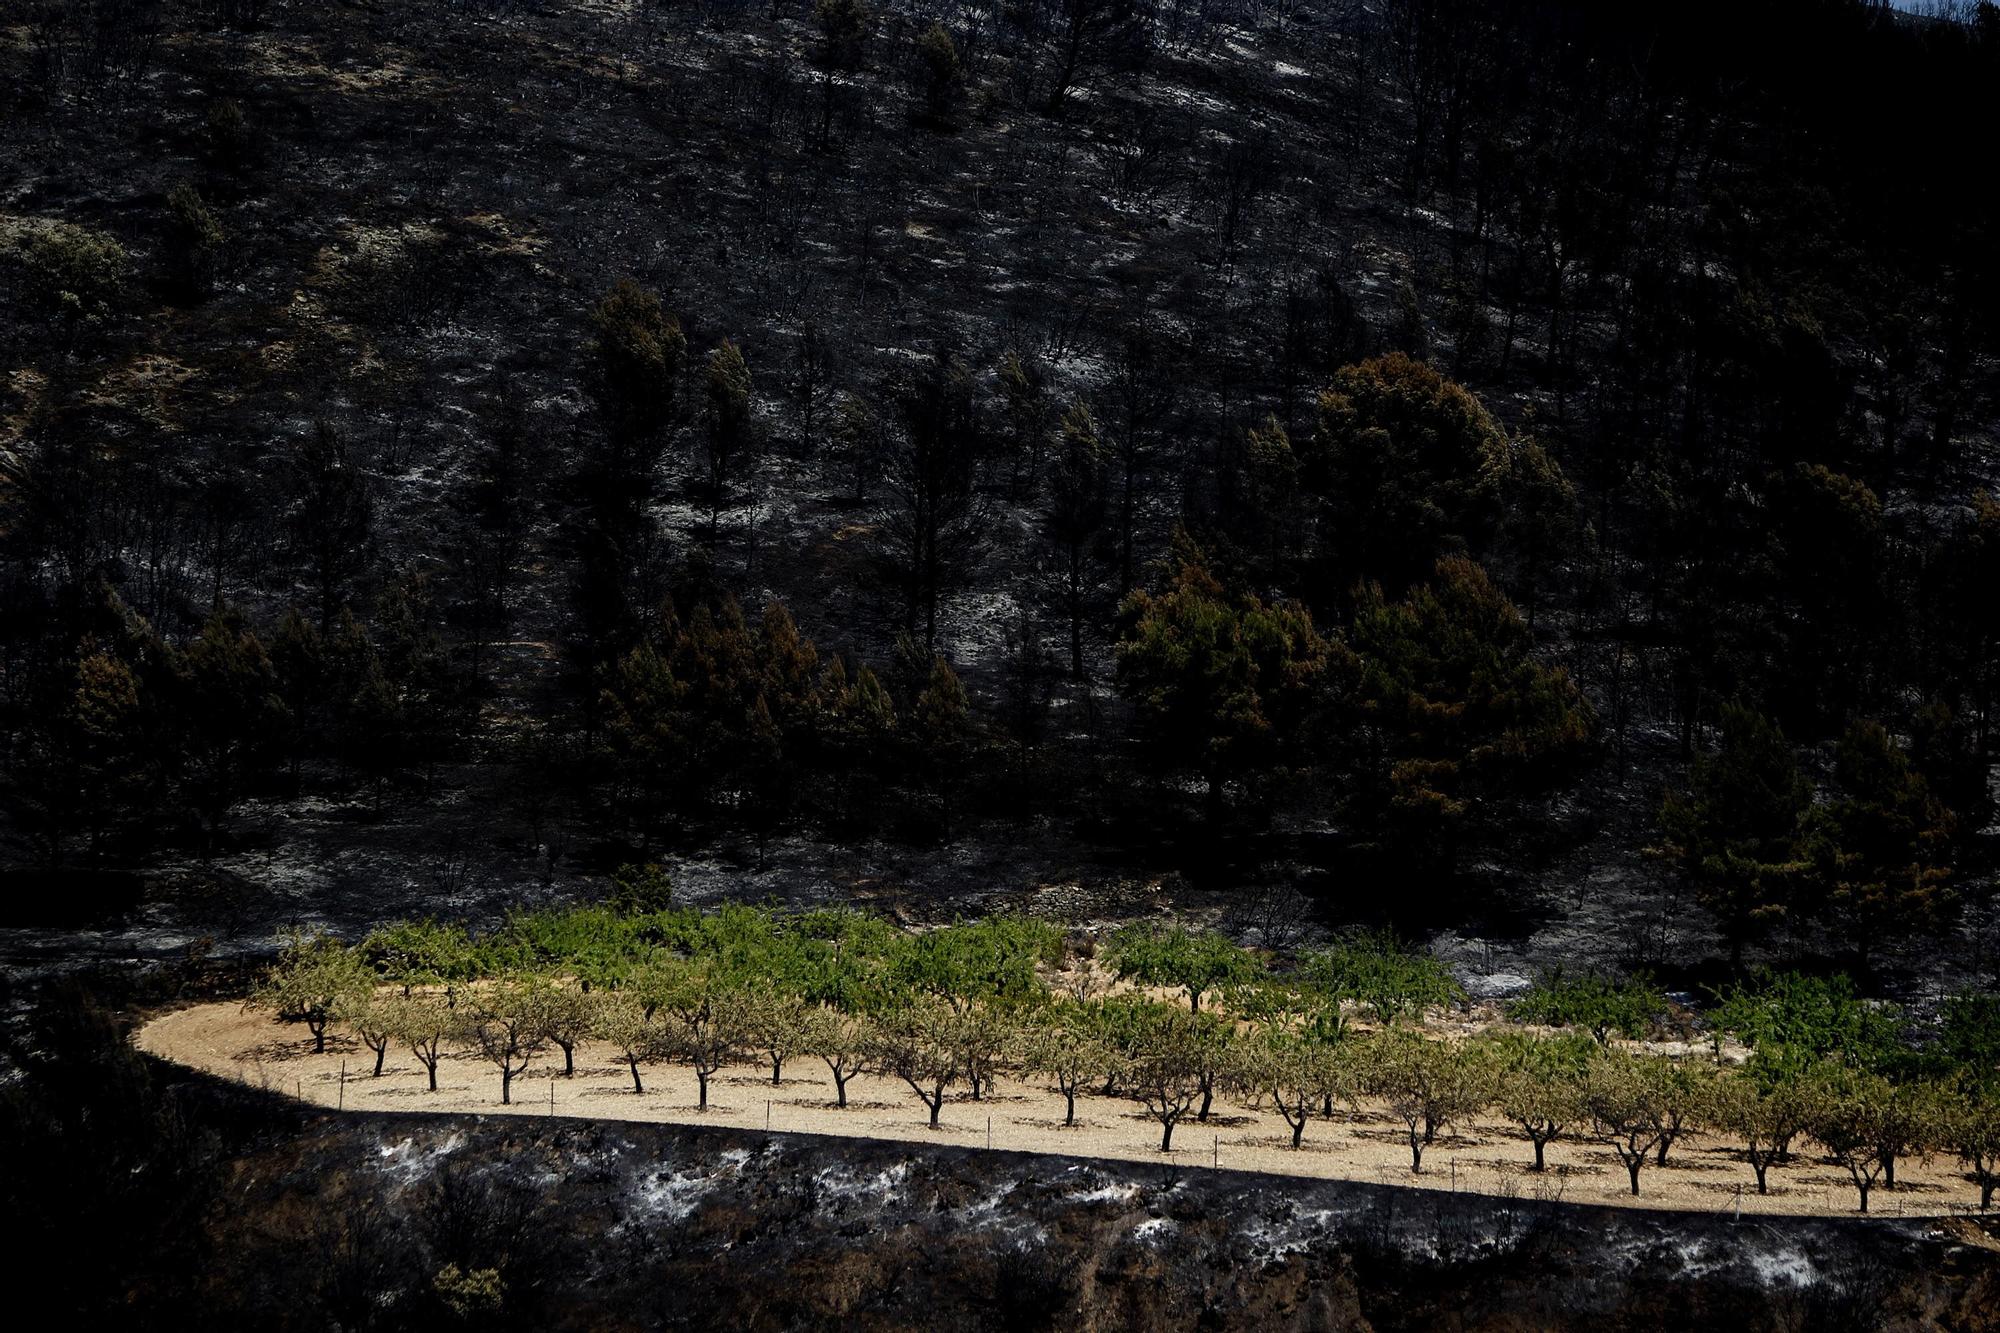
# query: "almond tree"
x,y
985,1036
1218,1055
371,1018
1622,1098
1972,1129
620,1020
1849,1112
1165,1068
1540,1086
314,978
563,1014
842,1040
1683,1087
776,1026
1765,1114
1428,1084
1194,962
506,1030
426,1024
1297,1073
918,1042
707,1018
1067,1043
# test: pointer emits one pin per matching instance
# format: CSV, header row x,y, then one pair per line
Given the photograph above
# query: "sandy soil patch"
x,y
1483,1157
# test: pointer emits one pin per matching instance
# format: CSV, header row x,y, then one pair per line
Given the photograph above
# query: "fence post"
x,y
1216,1163
767,1115
989,1133
552,1096
341,1105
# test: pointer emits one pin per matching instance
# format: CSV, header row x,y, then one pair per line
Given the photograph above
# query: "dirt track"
x,y
1484,1156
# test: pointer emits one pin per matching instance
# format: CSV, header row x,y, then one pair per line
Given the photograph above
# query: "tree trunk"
x,y
1761,1168
1298,1129
569,1058
381,1054
430,1067
1167,1138
637,1086
506,1086
840,1089
777,1067
1416,1152
1633,1166
701,1078
1069,1113
1540,1145
937,1106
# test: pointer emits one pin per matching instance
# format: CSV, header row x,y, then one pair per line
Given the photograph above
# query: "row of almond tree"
x,y
955,1009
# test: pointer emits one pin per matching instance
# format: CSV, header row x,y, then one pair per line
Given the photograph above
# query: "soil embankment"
x,y
1482,1157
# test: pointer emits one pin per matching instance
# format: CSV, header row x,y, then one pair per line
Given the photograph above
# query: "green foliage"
x,y
195,239
314,979
421,953
1765,1110
1969,1042
1448,679
1604,1006
843,28
1791,1020
1427,1084
641,890
504,1026
1392,980
943,75
623,1022
1410,466
1867,1123
917,1041
1881,851
1734,831
995,959
1167,1053
469,1294
426,1025
1297,1073
597,945
1971,1129
845,1041
1627,1102
1223,683
639,349
1194,962
706,1011
1539,1084
1069,1042
75,276
726,401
